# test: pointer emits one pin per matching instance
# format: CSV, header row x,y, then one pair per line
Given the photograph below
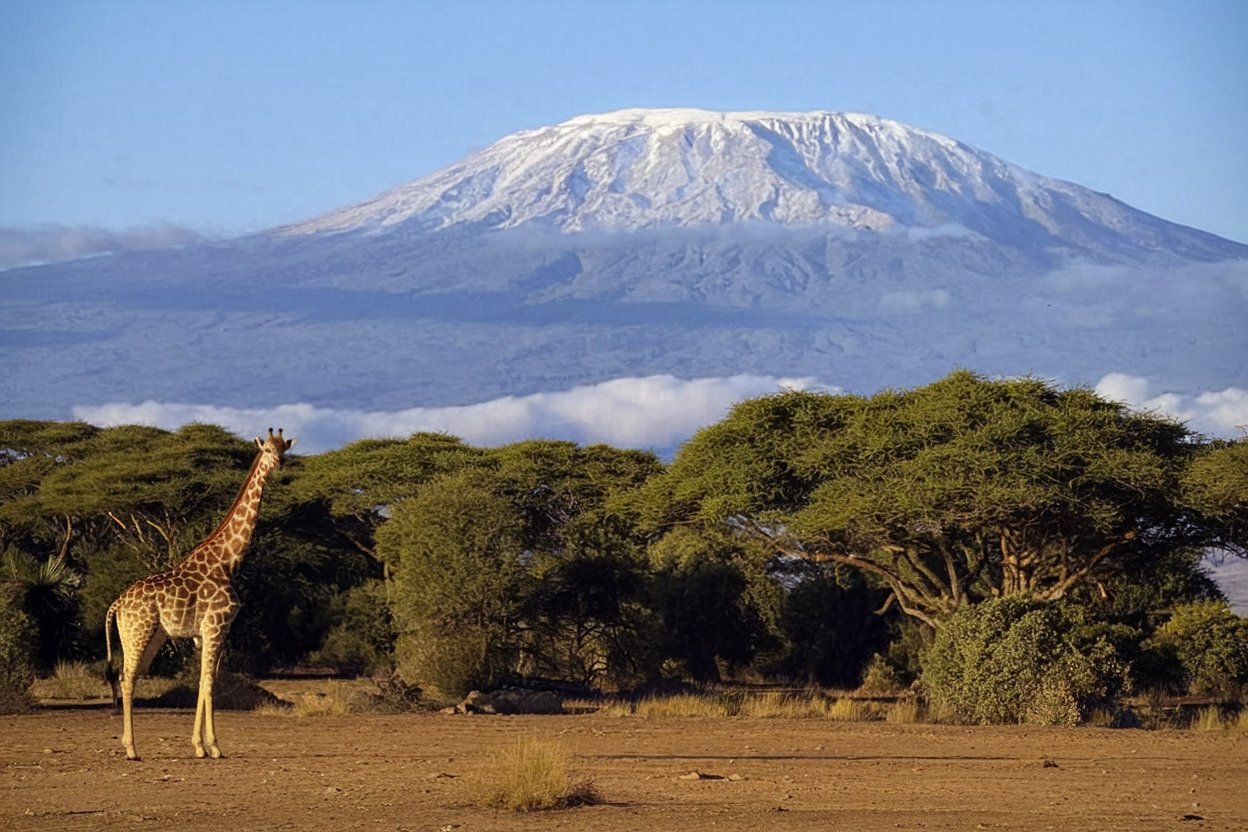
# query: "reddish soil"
x,y
62,769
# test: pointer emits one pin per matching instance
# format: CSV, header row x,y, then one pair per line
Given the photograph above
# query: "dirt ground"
x,y
63,769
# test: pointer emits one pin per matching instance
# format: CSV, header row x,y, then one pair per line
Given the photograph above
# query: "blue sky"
x,y
234,116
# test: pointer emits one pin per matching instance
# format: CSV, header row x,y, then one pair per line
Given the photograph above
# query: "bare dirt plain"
x,y
62,769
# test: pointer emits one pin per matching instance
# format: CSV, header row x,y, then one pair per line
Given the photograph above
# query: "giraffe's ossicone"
x,y
194,599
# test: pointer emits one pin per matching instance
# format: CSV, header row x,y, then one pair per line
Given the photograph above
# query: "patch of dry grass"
x,y
531,775
786,705
903,711
811,704
72,680
852,710
1214,718
332,699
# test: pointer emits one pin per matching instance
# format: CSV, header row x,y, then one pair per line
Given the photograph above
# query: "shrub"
x,y
394,695
17,648
1017,660
1209,643
362,638
450,665
532,775
881,678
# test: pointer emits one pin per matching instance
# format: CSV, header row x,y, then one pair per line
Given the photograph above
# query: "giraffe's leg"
x,y
205,734
139,642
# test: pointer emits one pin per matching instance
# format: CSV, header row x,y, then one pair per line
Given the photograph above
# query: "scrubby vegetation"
x,y
1012,551
531,775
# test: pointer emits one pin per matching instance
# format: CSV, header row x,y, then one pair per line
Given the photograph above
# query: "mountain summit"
x,y
682,168
845,248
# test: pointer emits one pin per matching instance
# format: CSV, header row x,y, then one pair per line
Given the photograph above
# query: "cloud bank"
x,y
54,243
1215,413
657,412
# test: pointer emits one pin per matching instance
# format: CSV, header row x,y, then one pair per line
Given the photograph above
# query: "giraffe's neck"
x,y
225,546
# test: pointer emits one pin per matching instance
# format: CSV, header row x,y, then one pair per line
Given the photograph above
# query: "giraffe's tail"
x,y
110,673
108,631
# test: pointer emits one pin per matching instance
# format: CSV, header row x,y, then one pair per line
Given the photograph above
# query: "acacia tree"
x,y
955,492
516,566
342,497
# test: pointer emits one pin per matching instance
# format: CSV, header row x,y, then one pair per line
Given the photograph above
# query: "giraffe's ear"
x,y
259,444
292,442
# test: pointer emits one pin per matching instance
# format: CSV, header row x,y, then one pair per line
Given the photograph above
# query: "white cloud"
x,y
651,412
1216,413
54,243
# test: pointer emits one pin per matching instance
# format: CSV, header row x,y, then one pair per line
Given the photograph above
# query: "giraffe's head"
x,y
276,445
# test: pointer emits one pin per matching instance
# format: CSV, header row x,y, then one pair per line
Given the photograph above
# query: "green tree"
x,y
460,584
959,491
342,497
517,566
717,603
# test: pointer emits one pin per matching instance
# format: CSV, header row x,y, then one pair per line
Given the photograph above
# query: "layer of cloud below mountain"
x,y
658,412
57,243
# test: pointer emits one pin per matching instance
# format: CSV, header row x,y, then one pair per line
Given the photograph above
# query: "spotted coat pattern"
x,y
194,599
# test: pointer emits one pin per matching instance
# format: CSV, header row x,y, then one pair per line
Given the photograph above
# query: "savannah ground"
x,y
63,769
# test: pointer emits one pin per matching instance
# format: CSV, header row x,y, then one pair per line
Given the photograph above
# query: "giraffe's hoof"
x,y
216,754
199,751
132,756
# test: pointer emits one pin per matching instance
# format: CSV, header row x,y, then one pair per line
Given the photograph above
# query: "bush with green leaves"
x,y
361,639
17,649
1208,644
1016,660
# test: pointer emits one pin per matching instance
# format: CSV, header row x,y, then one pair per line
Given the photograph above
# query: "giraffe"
x,y
193,599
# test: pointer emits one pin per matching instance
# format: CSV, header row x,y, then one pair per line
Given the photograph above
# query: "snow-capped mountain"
x,y
649,169
847,248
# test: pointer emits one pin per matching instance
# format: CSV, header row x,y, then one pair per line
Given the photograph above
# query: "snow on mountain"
x,y
647,169
845,248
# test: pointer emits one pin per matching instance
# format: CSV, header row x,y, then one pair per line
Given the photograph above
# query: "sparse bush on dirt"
x,y
395,695
1016,660
531,775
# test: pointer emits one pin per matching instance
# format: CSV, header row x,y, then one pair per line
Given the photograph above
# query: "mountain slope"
x,y
848,248
647,169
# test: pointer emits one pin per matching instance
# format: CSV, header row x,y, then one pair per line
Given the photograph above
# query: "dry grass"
x,y
332,699
1214,718
1208,718
903,711
531,776
786,705
852,710
72,680
767,705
